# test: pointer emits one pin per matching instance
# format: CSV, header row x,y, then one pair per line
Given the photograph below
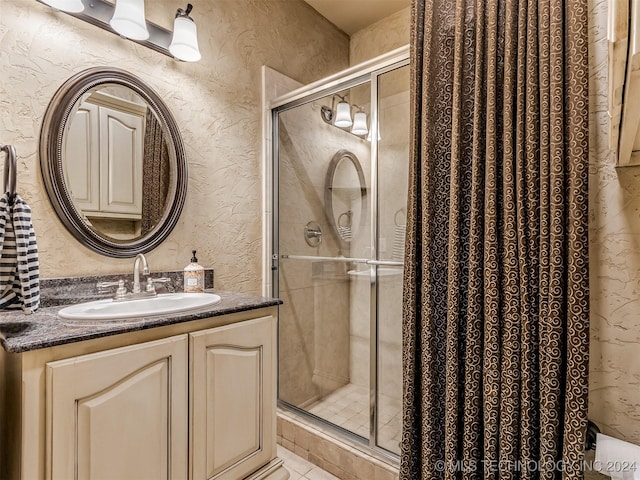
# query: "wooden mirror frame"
x,y
51,162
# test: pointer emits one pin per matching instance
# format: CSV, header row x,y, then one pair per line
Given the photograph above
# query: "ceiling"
x,y
353,15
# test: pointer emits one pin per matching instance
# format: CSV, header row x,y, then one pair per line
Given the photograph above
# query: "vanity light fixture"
x,y
71,6
359,123
184,45
343,114
129,21
340,116
126,18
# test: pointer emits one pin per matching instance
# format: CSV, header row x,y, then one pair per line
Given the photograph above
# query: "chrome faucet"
x,y
136,272
121,292
136,292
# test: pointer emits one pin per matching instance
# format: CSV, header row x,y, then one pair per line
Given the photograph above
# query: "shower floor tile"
x,y
348,407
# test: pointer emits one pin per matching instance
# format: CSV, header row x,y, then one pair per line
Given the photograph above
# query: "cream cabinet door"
x,y
121,150
81,158
119,414
233,399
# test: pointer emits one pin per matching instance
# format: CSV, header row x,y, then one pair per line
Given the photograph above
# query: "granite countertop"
x,y
22,333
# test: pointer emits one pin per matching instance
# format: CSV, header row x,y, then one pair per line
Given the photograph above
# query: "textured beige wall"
x,y
216,102
383,36
614,196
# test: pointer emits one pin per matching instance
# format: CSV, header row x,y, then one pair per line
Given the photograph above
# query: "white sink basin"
x,y
145,307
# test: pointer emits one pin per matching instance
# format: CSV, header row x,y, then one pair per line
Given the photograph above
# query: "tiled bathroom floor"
x,y
301,469
348,407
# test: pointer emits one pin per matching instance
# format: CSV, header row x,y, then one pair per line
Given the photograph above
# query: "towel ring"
x,y
395,218
347,214
10,170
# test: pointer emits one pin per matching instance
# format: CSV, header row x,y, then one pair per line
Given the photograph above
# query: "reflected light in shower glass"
x,y
368,139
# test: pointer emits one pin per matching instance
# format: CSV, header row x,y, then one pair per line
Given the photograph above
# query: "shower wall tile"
x,y
331,336
296,347
390,369
390,307
360,329
614,251
216,103
360,308
359,360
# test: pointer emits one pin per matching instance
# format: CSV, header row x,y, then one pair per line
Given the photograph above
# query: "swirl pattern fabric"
x,y
496,282
156,176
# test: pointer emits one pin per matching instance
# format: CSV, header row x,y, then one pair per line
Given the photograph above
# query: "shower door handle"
x,y
384,263
380,263
323,259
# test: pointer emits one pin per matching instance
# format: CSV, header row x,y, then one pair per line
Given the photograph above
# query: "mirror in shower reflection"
x,y
331,309
345,198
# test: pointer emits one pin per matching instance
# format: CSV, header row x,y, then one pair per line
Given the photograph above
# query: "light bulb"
x,y
184,44
343,115
71,6
129,20
360,124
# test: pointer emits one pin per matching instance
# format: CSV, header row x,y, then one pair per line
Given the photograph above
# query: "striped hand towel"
x,y
19,268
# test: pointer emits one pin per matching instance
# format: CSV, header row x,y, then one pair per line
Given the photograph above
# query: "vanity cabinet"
x,y
195,400
120,413
232,395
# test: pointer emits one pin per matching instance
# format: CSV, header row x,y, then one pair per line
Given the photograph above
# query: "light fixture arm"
x,y
326,113
329,113
185,12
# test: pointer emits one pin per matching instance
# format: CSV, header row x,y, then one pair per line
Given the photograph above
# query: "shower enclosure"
x,y
340,169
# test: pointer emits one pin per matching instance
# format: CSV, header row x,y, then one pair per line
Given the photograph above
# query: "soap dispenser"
x,y
194,276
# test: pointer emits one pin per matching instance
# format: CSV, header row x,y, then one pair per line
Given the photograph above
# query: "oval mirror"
x,y
113,162
345,197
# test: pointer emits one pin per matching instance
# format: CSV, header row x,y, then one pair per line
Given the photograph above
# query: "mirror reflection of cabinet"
x,y
103,156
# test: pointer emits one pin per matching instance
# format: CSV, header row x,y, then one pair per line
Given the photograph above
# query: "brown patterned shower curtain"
x,y
155,178
495,327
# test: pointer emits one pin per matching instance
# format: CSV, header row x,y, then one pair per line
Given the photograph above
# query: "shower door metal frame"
x,y
368,72
374,264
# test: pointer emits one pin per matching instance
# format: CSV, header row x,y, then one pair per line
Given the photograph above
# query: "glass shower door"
x,y
392,188
324,233
339,230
